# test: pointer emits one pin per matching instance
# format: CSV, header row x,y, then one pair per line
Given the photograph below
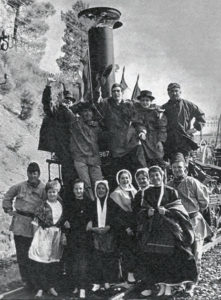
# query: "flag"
x,y
136,91
102,76
123,82
86,77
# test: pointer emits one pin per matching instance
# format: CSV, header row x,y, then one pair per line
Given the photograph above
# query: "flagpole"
x,y
89,64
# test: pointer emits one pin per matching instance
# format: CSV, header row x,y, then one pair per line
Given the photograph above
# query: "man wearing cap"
x,y
55,132
195,199
180,114
150,123
21,201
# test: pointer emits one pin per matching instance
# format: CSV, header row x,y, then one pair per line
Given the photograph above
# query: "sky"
x,y
162,40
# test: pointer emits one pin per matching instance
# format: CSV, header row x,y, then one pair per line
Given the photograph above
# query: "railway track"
x,y
21,294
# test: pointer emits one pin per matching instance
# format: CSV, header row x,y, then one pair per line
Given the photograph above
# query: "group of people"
x,y
153,231
137,133
103,229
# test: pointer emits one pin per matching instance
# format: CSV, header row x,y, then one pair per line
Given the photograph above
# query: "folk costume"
x,y
165,240
105,253
123,196
78,214
46,248
138,199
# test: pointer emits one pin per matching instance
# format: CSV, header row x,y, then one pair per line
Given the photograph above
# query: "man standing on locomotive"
x,y
55,133
180,114
123,140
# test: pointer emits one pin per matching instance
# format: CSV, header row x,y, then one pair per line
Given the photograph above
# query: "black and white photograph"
x,y
110,149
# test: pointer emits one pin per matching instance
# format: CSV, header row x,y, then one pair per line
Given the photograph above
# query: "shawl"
x,y
121,196
101,212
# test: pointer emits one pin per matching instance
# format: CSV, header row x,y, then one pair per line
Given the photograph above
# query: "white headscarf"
x,y
101,212
131,187
121,195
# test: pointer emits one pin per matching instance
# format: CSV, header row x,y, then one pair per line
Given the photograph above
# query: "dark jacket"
x,y
78,214
179,115
152,121
55,128
117,120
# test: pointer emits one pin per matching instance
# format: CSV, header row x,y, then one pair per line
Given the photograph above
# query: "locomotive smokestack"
x,y
101,48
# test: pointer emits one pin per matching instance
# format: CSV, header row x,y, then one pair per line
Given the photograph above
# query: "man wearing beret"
x,y
28,195
180,113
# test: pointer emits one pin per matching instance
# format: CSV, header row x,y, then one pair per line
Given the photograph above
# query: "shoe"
x,y
107,285
146,293
75,291
162,290
95,287
130,278
190,289
39,294
53,292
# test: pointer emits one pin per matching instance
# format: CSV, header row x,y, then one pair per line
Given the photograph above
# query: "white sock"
x,y
167,290
130,277
82,293
75,290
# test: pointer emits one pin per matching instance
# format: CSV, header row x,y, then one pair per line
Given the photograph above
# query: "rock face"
x,y
19,143
7,247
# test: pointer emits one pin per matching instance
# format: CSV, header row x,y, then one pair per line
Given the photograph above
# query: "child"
x,y
104,227
123,196
46,247
165,237
78,216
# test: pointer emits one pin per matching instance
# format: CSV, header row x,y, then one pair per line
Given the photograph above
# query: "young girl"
x,y
104,228
123,196
78,216
142,180
165,236
46,247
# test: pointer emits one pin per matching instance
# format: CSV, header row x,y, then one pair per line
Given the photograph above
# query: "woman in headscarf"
x,y
104,227
165,237
123,196
143,182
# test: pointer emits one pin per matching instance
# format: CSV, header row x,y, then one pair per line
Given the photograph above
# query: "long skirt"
x,y
165,268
